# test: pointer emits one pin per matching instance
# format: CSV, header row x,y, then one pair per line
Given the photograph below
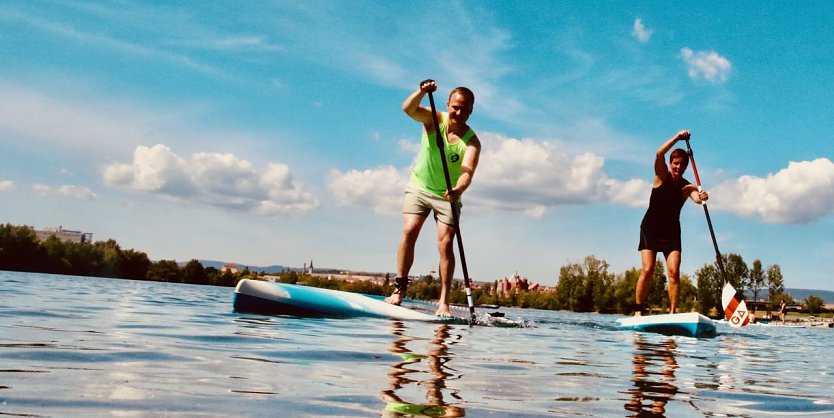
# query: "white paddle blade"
x,y
735,310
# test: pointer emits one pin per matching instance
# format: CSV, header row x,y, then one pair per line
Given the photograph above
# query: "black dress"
x,y
660,230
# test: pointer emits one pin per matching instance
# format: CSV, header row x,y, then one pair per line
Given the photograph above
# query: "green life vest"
x,y
428,171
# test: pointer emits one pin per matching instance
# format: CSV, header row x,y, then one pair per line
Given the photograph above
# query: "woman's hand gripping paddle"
x,y
734,307
455,216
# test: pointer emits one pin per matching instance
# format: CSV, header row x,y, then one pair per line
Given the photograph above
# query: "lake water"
x,y
80,346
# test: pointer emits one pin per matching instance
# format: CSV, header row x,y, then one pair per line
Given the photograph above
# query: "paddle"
x,y
706,212
455,216
731,303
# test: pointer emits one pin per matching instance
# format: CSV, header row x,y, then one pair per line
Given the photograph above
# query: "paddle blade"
x,y
735,310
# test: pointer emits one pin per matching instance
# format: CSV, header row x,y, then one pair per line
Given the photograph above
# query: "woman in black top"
x,y
660,231
783,310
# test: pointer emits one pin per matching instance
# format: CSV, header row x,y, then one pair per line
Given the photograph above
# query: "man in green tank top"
x,y
426,191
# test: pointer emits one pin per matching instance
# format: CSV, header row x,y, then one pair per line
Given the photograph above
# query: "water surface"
x,y
73,346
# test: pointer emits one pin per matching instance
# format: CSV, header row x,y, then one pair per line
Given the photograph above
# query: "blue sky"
x,y
272,133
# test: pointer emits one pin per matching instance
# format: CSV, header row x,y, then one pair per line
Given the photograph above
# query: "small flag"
x,y
735,310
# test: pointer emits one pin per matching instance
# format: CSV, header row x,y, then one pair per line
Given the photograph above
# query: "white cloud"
x,y
155,169
530,176
381,188
640,31
801,193
65,191
234,42
409,147
6,185
524,176
215,179
707,65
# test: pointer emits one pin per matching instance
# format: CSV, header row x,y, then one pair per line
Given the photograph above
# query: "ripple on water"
x,y
68,354
739,403
36,313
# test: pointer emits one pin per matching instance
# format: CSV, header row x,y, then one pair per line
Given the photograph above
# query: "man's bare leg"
x,y
445,241
647,258
412,223
673,264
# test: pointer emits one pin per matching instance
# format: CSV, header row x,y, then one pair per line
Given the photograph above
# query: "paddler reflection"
x,y
410,373
654,367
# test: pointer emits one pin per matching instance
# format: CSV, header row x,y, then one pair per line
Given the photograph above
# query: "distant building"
x,y
230,267
65,235
505,286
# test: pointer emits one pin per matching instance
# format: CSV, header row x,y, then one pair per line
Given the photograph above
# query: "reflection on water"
x,y
407,372
653,375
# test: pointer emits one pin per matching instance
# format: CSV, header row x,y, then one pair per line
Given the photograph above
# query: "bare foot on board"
x,y
396,298
443,310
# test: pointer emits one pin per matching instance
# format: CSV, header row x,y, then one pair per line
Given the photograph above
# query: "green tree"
x,y
164,271
55,260
246,273
738,273
687,295
362,286
710,283
227,278
19,249
134,265
70,258
775,285
775,280
569,280
85,259
624,290
427,288
585,287
814,304
288,277
602,284
194,272
109,258
757,281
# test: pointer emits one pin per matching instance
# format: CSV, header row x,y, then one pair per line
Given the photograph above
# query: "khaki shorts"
x,y
418,202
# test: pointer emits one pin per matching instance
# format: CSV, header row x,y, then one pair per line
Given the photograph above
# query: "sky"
x,y
272,132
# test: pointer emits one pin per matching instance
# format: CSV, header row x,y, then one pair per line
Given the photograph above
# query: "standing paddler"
x,y
427,190
660,231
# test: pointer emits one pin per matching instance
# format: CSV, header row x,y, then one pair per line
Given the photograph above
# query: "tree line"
x,y
585,286
21,250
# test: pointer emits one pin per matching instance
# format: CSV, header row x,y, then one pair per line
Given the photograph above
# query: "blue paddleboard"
x,y
274,298
690,324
